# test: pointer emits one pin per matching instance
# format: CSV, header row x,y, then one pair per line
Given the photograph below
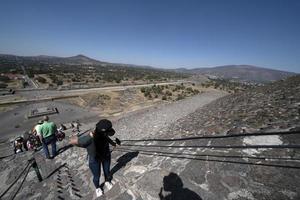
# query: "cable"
x,y
15,194
218,156
12,184
223,161
222,147
217,136
2,157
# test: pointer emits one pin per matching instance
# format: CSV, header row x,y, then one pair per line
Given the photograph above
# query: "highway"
x,y
44,95
31,83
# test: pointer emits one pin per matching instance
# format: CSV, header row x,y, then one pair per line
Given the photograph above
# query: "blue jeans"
x,y
49,140
95,166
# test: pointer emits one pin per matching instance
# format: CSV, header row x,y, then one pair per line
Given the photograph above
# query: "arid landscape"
x,y
149,100
148,119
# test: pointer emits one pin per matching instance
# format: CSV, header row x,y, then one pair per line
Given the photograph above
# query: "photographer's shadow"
x,y
174,185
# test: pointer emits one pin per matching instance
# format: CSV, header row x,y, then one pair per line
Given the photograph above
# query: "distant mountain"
x,y
238,72
73,60
241,73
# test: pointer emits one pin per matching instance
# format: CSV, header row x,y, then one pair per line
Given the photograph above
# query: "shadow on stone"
x,y
56,170
123,160
62,149
173,184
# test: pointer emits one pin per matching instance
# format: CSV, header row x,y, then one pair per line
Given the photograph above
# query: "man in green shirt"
x,y
47,136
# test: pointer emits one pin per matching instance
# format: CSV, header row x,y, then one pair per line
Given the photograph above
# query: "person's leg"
x,y
45,148
94,166
25,145
53,146
106,168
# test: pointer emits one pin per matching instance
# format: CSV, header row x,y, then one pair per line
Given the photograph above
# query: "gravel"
x,y
149,122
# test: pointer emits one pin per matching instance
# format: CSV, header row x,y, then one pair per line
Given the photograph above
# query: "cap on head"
x,y
40,121
46,118
105,126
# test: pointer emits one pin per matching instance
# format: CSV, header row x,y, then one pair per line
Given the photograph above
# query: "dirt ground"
x,y
114,103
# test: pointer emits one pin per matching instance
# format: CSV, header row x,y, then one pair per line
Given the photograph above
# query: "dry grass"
x,y
108,103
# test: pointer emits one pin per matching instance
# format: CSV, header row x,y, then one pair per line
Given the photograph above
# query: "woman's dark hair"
x,y
102,131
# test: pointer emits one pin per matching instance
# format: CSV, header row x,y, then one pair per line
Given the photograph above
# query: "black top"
x,y
102,142
101,151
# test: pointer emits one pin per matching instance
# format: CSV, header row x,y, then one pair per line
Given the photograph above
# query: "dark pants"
x,y
49,140
95,166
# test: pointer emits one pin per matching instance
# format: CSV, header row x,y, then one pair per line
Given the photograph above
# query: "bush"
x,y
168,93
189,90
179,97
3,85
4,79
30,75
41,79
196,91
59,82
143,90
147,93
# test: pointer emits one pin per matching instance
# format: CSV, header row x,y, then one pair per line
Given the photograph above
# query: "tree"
x,y
3,85
4,79
41,79
143,89
59,82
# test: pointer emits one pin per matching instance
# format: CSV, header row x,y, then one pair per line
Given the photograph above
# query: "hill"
x,y
261,173
73,60
82,71
246,73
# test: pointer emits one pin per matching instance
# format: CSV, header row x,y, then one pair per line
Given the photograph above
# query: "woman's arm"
x,y
111,142
73,140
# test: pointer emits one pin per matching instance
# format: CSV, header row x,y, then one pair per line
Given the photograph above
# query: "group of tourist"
x,y
96,142
44,133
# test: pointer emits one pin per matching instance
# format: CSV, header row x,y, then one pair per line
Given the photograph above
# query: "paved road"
x,y
31,83
42,94
14,122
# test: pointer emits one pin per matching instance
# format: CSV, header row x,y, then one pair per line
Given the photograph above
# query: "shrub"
x,y
143,89
3,85
59,82
179,97
147,93
168,93
189,90
41,79
196,91
4,78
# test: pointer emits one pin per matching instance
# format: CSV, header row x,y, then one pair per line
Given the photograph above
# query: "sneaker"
x,y
99,192
108,185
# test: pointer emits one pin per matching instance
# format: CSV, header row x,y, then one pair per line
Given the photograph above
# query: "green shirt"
x,y
38,129
48,129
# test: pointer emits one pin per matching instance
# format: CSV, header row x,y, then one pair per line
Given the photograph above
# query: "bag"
x,y
60,135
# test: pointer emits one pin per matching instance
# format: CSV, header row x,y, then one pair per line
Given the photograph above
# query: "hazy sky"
x,y
161,33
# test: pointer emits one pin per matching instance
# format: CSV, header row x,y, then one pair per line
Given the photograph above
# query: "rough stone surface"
x,y
166,172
